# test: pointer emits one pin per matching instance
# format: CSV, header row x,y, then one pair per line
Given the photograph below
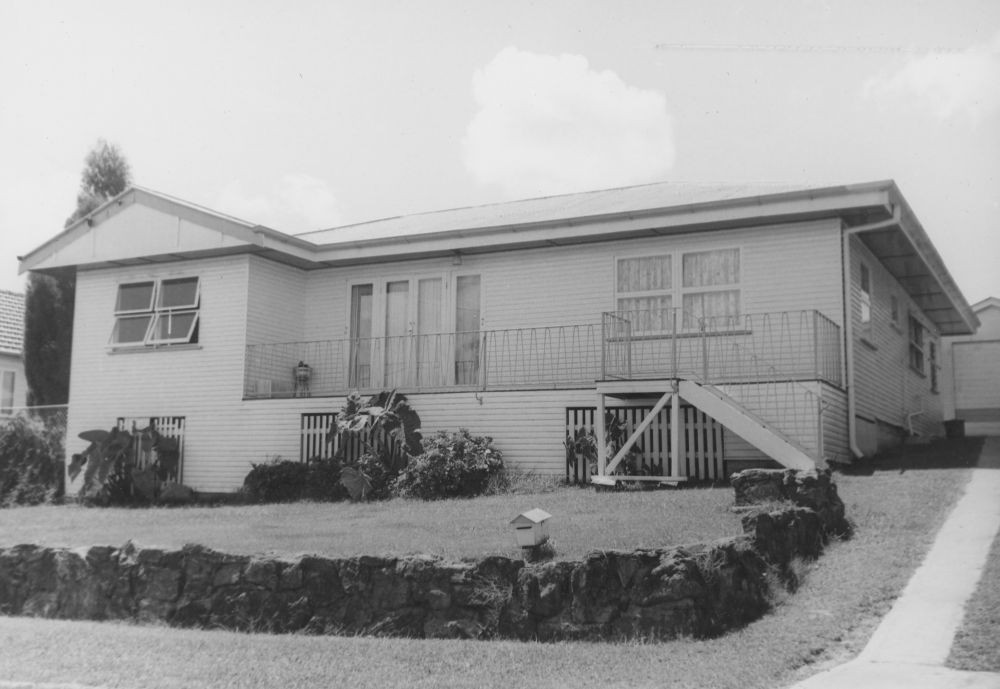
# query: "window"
x,y
646,291
866,295
643,291
894,309
7,393
157,312
710,288
932,360
916,345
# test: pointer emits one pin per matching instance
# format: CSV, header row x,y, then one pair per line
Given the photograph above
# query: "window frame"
x,y
865,294
677,291
663,292
720,288
916,345
155,314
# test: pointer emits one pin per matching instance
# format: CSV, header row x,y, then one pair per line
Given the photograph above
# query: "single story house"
x,y
972,373
699,328
13,387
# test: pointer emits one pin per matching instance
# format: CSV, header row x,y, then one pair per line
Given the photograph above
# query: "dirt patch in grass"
x,y
977,643
831,617
582,521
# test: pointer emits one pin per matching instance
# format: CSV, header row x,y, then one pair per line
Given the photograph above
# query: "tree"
x,y
48,304
105,175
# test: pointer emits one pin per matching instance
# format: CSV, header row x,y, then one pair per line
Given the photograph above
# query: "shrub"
x,y
122,467
287,481
452,465
389,430
276,481
323,480
31,461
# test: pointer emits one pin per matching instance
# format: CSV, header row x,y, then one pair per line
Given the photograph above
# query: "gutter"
x,y
852,424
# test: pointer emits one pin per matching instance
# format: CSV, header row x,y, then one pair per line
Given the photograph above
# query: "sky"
x,y
307,115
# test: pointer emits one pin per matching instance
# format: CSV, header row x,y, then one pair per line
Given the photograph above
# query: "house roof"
x,y
546,209
876,211
988,302
11,322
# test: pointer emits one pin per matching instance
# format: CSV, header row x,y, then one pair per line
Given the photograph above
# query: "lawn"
x,y
829,619
977,643
582,521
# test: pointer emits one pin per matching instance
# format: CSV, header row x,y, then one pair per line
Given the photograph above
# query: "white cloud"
x,y
550,124
964,84
296,203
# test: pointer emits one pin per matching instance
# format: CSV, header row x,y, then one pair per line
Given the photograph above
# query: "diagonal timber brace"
x,y
636,434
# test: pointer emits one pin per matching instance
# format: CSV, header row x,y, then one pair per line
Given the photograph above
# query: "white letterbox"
x,y
531,528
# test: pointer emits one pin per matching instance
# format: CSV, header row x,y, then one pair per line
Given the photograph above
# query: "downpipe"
x,y
852,424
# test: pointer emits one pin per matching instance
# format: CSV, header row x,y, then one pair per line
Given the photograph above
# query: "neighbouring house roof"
x,y
988,302
875,211
11,322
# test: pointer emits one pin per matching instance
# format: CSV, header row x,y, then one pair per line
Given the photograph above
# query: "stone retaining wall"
x,y
700,590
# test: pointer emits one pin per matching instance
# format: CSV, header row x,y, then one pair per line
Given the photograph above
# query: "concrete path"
x,y
913,641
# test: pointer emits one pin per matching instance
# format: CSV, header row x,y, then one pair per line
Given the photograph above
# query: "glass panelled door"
x,y
430,342
467,320
398,347
360,369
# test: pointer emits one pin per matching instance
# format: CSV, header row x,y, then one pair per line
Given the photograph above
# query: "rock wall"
x,y
699,590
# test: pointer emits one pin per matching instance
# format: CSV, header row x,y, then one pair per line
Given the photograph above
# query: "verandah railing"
x,y
801,345
759,360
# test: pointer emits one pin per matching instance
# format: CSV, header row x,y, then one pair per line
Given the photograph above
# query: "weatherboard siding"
x,y
889,394
203,382
276,305
786,267
836,445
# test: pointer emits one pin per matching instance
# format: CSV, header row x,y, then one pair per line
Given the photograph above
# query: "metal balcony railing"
x,y
668,343
792,345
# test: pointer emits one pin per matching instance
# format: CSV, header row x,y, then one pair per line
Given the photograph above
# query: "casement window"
x,y
157,312
866,295
705,285
7,393
916,345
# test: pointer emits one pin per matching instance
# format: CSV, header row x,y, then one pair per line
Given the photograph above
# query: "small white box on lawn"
x,y
531,528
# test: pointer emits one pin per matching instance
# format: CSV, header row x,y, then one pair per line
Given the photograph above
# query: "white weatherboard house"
x,y
721,327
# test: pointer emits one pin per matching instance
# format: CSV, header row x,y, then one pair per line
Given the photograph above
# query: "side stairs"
x,y
744,423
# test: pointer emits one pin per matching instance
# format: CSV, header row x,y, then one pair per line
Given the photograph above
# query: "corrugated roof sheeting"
x,y
11,322
623,200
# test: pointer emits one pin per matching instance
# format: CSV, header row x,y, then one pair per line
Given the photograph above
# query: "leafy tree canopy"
x,y
48,317
106,174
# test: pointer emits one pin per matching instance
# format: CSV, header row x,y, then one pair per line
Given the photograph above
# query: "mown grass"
x,y
582,521
842,597
977,643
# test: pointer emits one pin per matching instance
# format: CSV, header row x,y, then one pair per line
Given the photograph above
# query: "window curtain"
x,y
706,268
